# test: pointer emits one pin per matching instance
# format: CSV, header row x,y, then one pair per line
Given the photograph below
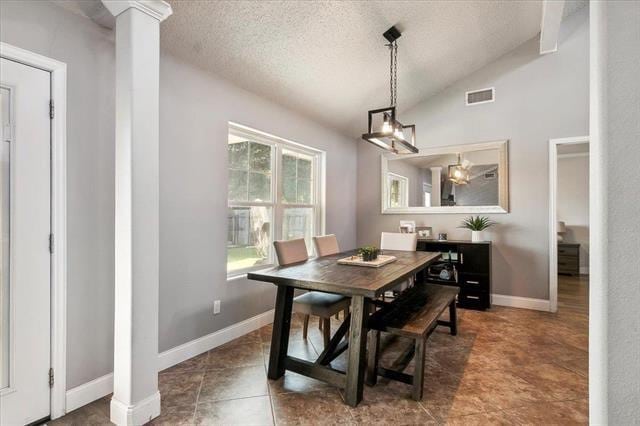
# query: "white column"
x,y
436,188
136,398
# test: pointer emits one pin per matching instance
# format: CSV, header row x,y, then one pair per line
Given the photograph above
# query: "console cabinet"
x,y
471,263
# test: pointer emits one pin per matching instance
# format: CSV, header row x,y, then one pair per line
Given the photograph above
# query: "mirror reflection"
x,y
462,177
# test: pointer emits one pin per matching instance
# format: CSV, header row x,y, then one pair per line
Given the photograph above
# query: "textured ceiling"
x,y
327,59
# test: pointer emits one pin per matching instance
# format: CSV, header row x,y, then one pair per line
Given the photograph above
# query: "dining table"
x,y
362,285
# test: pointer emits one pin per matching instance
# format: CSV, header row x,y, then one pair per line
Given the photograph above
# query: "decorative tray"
x,y
357,261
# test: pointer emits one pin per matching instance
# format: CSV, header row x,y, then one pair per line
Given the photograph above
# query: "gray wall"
x,y
537,98
194,110
620,207
88,52
573,202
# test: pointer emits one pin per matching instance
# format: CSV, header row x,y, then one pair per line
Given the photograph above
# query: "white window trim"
x,y
277,213
404,187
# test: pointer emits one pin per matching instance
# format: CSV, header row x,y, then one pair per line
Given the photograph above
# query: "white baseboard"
x,y
520,302
142,413
195,347
89,392
102,386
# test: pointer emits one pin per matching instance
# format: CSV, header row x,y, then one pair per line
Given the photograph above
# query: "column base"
x,y
135,415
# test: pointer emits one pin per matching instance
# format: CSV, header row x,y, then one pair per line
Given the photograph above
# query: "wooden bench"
x,y
414,315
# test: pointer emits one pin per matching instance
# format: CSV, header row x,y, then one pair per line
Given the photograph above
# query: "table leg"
x,y
357,348
280,333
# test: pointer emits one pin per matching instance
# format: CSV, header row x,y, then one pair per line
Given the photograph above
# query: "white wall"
x,y
614,329
573,202
537,98
194,110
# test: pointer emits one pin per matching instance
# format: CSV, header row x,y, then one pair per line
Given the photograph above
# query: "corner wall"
x,y
537,98
195,107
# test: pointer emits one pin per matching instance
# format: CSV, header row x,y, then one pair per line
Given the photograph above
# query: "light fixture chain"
x,y
391,97
395,73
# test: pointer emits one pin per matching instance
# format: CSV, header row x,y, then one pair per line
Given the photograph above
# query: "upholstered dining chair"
x,y
317,303
401,242
326,245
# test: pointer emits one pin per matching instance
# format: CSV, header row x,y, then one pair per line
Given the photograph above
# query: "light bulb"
x,y
457,173
398,133
386,127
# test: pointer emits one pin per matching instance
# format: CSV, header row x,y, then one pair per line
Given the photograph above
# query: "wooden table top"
x,y
325,274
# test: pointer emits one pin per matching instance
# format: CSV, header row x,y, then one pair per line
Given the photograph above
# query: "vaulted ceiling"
x,y
327,59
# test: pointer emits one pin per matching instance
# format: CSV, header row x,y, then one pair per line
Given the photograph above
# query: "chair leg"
x,y
453,318
373,357
305,326
326,331
418,374
319,323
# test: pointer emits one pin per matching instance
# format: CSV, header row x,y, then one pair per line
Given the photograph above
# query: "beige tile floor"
x,y
506,366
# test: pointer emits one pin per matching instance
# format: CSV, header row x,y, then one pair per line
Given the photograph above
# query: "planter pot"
x,y
476,236
369,257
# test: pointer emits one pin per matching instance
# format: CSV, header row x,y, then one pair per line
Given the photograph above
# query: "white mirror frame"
x,y
503,180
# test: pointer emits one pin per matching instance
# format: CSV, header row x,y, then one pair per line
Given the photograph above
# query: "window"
x,y
398,190
274,193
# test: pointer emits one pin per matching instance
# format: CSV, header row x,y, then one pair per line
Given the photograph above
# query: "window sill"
x,y
235,276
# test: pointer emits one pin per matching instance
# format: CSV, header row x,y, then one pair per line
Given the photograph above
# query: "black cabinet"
x,y
471,263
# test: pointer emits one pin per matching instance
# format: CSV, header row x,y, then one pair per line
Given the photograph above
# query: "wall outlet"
x,y
216,307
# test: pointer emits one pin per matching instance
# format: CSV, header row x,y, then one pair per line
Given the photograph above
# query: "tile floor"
x,y
506,366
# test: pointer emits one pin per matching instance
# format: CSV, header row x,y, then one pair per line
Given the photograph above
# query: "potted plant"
x,y
477,225
368,253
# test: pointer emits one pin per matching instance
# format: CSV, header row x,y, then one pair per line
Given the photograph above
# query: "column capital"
x,y
435,169
157,9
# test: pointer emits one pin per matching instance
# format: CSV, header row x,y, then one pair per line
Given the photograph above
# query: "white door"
x,y
26,224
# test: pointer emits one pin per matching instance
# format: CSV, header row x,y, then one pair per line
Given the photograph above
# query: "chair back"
x,y
326,245
398,241
291,251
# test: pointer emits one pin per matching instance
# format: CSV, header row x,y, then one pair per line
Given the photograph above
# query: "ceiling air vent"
x,y
482,96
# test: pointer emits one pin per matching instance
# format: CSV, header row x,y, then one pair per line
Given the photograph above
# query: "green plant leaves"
x,y
478,223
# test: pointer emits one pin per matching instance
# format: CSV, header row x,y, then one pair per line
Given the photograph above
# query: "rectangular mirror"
x,y
470,178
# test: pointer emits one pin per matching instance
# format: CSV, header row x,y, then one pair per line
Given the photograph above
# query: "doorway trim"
x,y
553,217
58,72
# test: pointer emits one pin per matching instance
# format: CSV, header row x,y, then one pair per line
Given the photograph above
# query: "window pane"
x,y
304,168
248,237
239,155
289,190
237,185
259,187
288,166
304,191
298,223
260,157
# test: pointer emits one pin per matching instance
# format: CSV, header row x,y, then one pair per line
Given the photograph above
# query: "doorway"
x,y
25,359
569,224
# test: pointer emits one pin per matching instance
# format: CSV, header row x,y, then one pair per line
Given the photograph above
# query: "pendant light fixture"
x,y
459,173
391,134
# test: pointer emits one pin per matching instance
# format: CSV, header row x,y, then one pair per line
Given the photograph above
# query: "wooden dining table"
x,y
362,284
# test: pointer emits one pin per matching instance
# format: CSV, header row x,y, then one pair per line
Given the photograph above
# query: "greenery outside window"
x,y
274,193
398,190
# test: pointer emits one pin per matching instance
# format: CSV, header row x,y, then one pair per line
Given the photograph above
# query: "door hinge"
x,y
51,109
51,243
51,377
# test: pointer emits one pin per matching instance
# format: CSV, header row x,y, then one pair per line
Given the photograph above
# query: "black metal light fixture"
x,y
459,173
391,135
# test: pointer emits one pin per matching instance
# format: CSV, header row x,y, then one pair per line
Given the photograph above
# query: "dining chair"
x,y
401,242
317,303
326,245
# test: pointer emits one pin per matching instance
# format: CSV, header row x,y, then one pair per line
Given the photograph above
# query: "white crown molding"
x,y
157,9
